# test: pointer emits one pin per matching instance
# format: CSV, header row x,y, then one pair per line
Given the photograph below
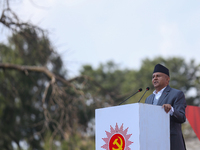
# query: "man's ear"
x,y
168,78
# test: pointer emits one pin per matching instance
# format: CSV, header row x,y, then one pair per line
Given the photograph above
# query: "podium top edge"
x,y
128,105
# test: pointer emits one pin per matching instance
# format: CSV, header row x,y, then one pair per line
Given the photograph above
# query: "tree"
x,y
106,84
35,98
117,84
10,19
39,106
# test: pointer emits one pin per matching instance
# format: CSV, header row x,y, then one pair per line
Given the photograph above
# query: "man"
x,y
172,101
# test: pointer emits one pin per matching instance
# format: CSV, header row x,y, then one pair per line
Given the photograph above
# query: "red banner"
x,y
193,116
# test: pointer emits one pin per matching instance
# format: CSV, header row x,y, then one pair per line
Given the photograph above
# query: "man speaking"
x,y
172,101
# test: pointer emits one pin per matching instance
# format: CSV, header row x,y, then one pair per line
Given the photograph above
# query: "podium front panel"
x,y
132,127
125,117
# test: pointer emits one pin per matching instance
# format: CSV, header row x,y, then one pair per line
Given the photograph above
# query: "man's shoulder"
x,y
174,90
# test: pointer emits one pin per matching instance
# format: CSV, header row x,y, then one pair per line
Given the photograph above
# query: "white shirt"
x,y
157,96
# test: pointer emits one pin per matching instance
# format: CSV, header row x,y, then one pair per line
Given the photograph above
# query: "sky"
x,y
124,31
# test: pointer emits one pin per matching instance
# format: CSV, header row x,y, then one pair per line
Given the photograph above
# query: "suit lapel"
x,y
164,94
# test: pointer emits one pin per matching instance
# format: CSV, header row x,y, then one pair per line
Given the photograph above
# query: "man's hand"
x,y
167,107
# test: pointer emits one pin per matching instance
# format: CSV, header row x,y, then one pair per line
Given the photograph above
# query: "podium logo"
x,y
117,139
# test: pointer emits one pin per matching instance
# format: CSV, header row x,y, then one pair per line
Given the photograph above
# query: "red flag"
x,y
193,116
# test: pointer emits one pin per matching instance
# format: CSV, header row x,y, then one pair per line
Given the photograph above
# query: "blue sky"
x,y
126,32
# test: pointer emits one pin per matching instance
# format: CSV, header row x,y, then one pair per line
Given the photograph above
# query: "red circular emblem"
x,y
117,139
117,142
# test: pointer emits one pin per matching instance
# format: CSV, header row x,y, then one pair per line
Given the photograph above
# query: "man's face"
x,y
160,80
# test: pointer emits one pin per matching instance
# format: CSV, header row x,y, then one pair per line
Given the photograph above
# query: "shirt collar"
x,y
160,92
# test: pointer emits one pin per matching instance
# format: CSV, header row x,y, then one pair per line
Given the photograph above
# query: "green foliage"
x,y
75,142
65,119
51,122
115,85
105,83
20,95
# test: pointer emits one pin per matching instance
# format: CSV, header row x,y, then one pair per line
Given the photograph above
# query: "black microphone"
x,y
144,93
131,96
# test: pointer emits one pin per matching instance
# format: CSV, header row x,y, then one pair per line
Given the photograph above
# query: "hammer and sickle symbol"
x,y
119,145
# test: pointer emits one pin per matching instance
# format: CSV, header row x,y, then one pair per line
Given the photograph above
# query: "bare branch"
x,y
29,68
10,20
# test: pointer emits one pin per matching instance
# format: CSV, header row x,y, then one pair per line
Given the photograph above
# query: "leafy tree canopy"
x,y
118,84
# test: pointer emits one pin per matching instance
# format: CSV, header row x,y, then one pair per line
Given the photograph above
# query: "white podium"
x,y
135,126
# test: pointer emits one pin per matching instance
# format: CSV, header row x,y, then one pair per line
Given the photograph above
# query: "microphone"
x,y
131,96
144,93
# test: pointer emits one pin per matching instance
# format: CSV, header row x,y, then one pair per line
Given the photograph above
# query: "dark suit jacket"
x,y
176,99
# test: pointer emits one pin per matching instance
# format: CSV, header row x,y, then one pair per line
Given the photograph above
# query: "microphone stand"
x,y
131,96
143,94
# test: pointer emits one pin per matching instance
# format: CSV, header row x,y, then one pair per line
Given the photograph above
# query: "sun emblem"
x,y
117,139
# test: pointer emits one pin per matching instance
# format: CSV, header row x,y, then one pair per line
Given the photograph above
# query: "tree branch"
x,y
25,69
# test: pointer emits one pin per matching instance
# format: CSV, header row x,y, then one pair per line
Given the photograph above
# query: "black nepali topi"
x,y
161,68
